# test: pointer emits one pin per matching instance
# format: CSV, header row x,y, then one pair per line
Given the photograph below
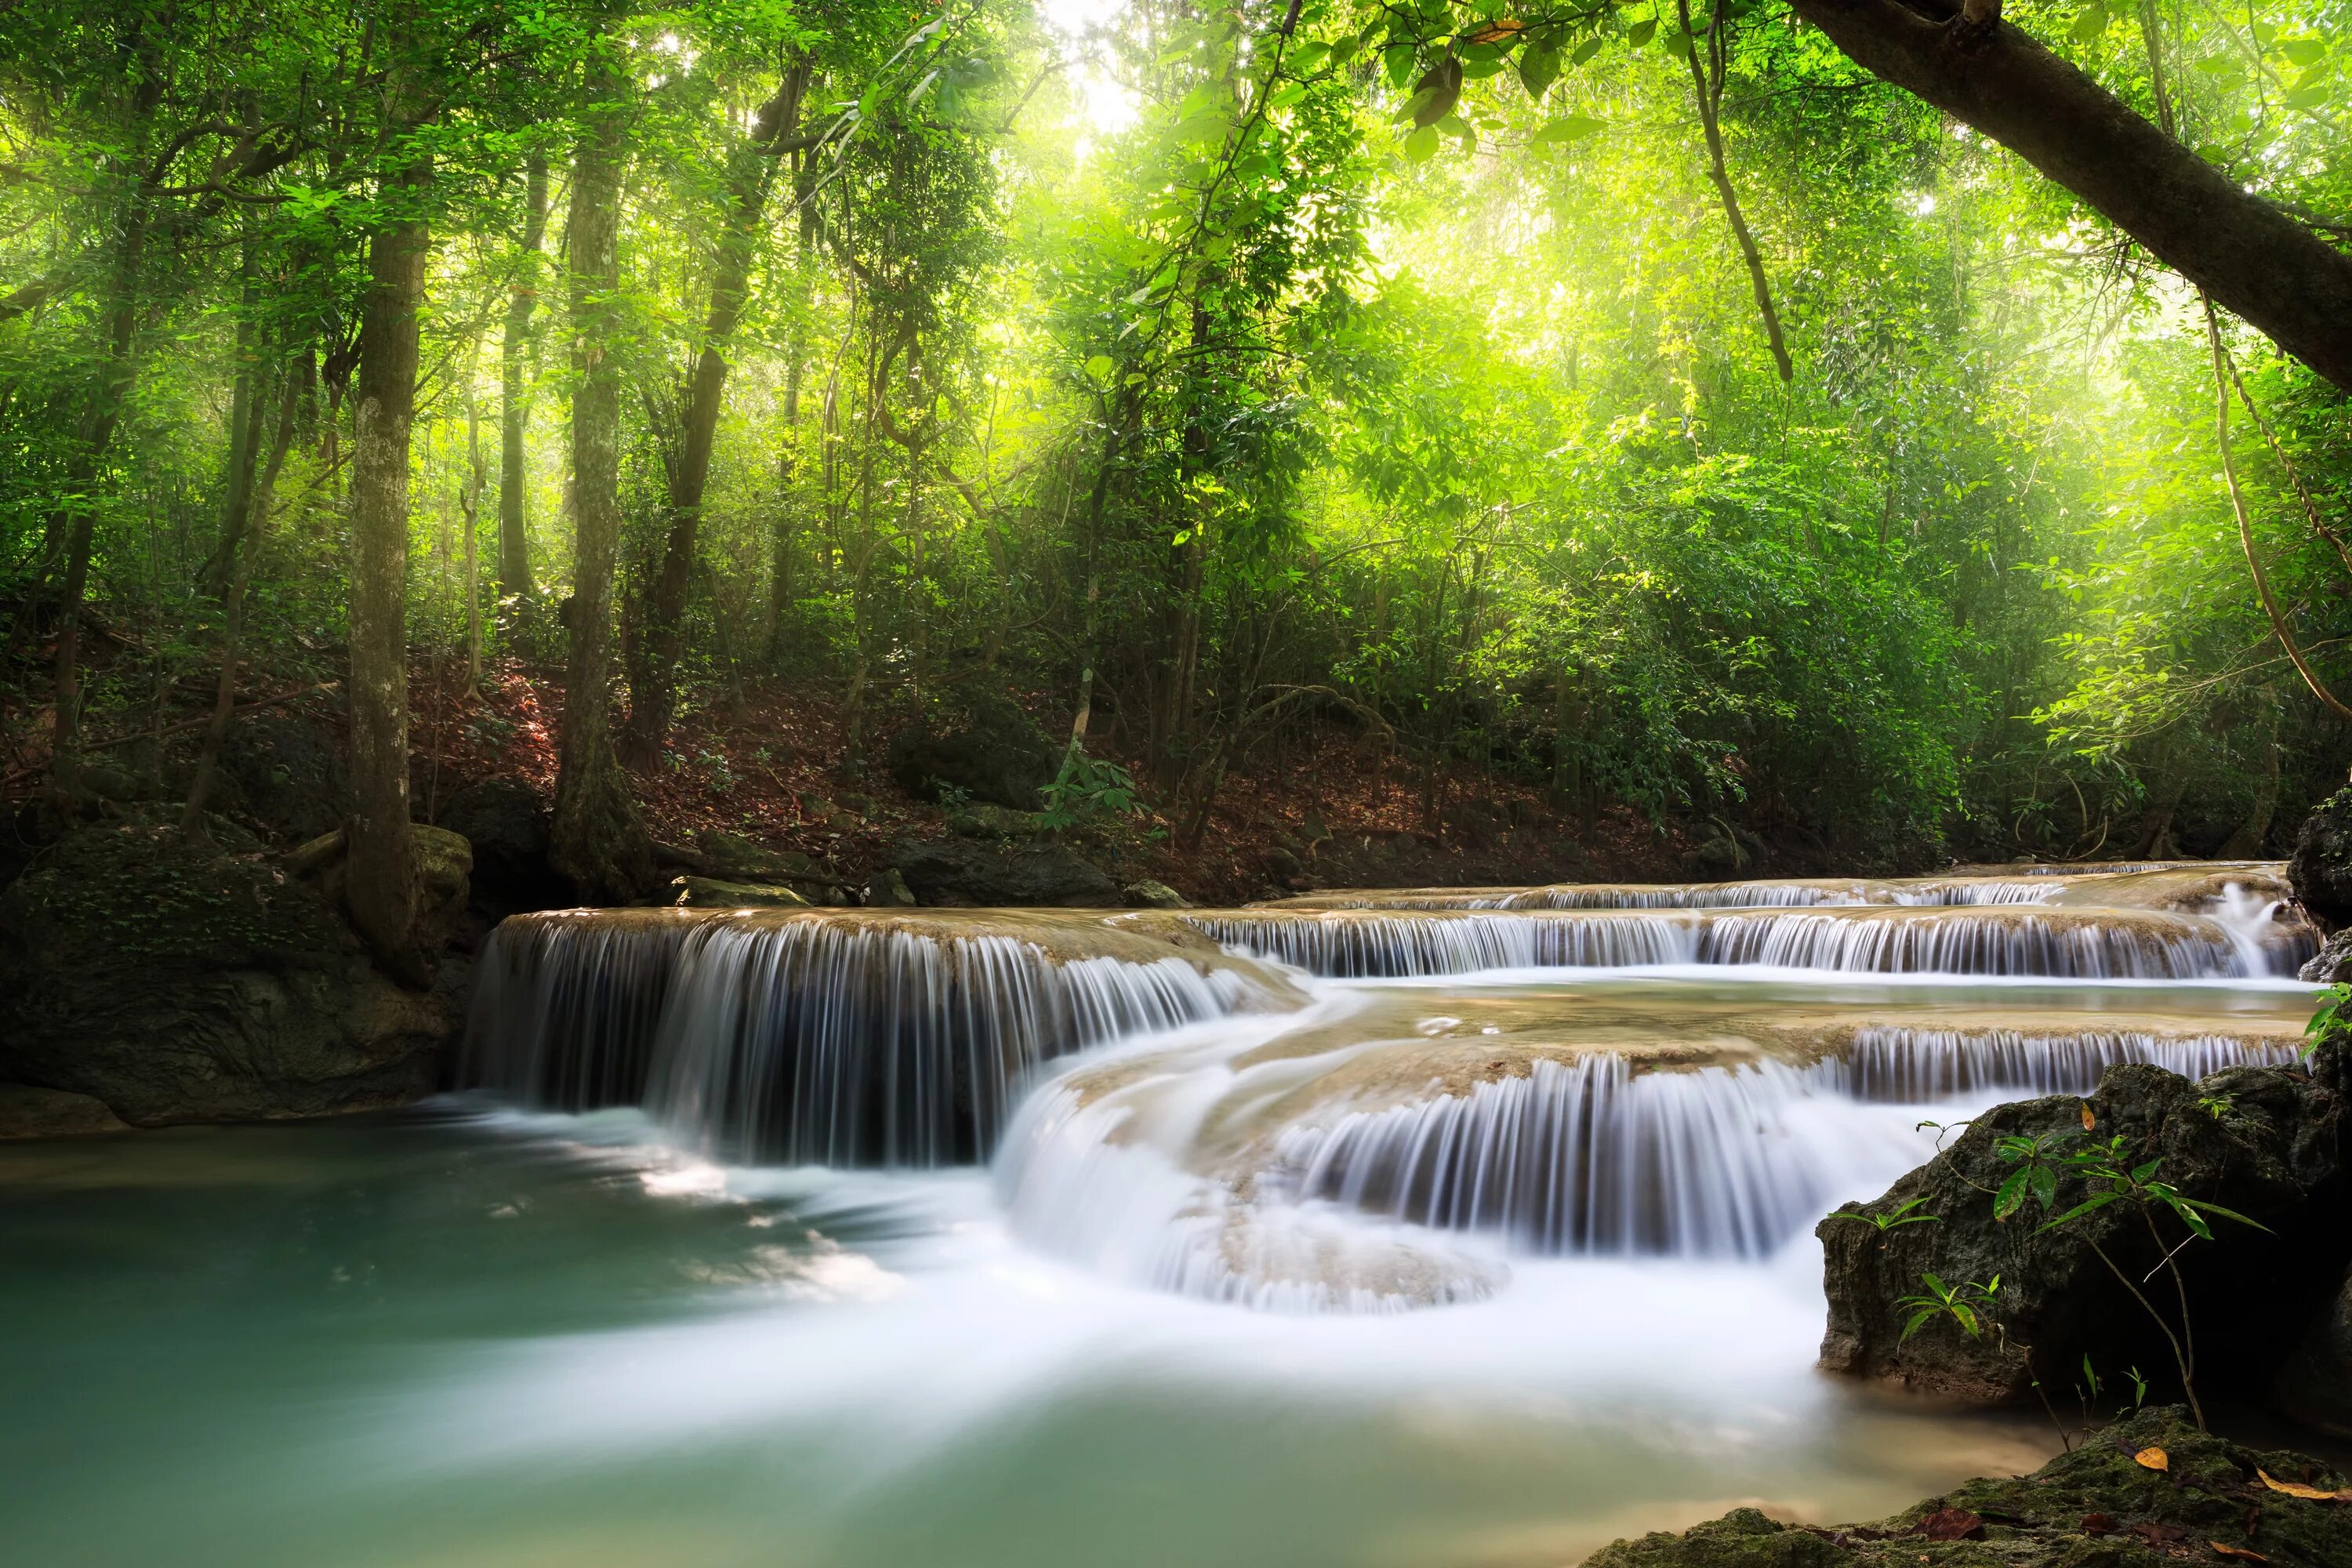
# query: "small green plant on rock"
x,y
2106,1171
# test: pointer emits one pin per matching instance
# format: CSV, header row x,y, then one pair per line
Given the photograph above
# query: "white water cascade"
x,y
812,1039
1563,1072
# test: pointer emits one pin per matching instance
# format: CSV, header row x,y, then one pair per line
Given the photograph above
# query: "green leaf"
x,y
2078,1211
1539,68
1307,55
1917,1318
1678,44
2011,1197
2090,23
1641,32
1586,50
1099,367
1420,144
1566,128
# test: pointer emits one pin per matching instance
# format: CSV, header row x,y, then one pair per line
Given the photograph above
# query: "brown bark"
x,y
2247,254
380,890
514,544
599,840
652,693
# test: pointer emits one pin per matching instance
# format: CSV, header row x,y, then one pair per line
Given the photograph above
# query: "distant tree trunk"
x,y
652,693
246,531
469,502
70,528
599,840
246,413
780,573
381,885
514,545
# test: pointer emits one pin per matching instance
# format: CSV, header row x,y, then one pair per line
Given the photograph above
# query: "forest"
x,y
1657,421
1288,784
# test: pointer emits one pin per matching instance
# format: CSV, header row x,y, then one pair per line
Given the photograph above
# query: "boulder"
x,y
996,754
507,827
1150,895
2151,1490
2320,870
710,893
889,890
2332,965
2315,1385
953,872
2260,1141
175,983
30,1112
288,773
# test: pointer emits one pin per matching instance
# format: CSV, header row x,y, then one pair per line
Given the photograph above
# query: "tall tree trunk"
x,y
653,696
514,412
246,411
599,840
2196,218
780,573
381,887
246,531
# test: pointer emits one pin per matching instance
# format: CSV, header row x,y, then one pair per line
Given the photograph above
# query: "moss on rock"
x,y
2151,1490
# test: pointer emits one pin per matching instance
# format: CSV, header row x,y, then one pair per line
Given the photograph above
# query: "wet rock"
x,y
30,1112
2332,965
889,890
507,826
175,983
995,753
2315,1385
2199,1499
710,892
2320,870
952,872
2260,1141
1150,895
288,773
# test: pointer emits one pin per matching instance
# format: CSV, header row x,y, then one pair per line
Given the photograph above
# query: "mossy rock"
x,y
710,893
731,857
178,983
2152,1490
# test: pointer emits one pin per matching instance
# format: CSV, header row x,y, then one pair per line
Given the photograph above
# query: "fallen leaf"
x,y
2296,1488
2154,1458
2089,1121
1951,1524
2241,1554
2157,1534
2098,1524
1495,32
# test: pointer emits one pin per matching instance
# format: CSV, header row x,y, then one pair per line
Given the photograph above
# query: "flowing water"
x,y
1451,1227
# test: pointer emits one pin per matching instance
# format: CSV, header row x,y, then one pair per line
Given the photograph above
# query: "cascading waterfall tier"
x,y
831,1039
2063,943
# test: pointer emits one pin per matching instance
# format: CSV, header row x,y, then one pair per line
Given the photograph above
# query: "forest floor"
x,y
1334,801
1321,805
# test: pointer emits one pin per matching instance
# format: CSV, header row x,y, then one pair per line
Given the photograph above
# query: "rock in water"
x,y
2260,1141
955,872
2332,965
30,1112
1150,895
2321,867
2152,1490
178,984
710,893
889,890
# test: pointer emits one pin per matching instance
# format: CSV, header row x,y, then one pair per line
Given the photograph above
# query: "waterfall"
x,y
1595,1155
1784,894
1908,1065
2136,945
830,1039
